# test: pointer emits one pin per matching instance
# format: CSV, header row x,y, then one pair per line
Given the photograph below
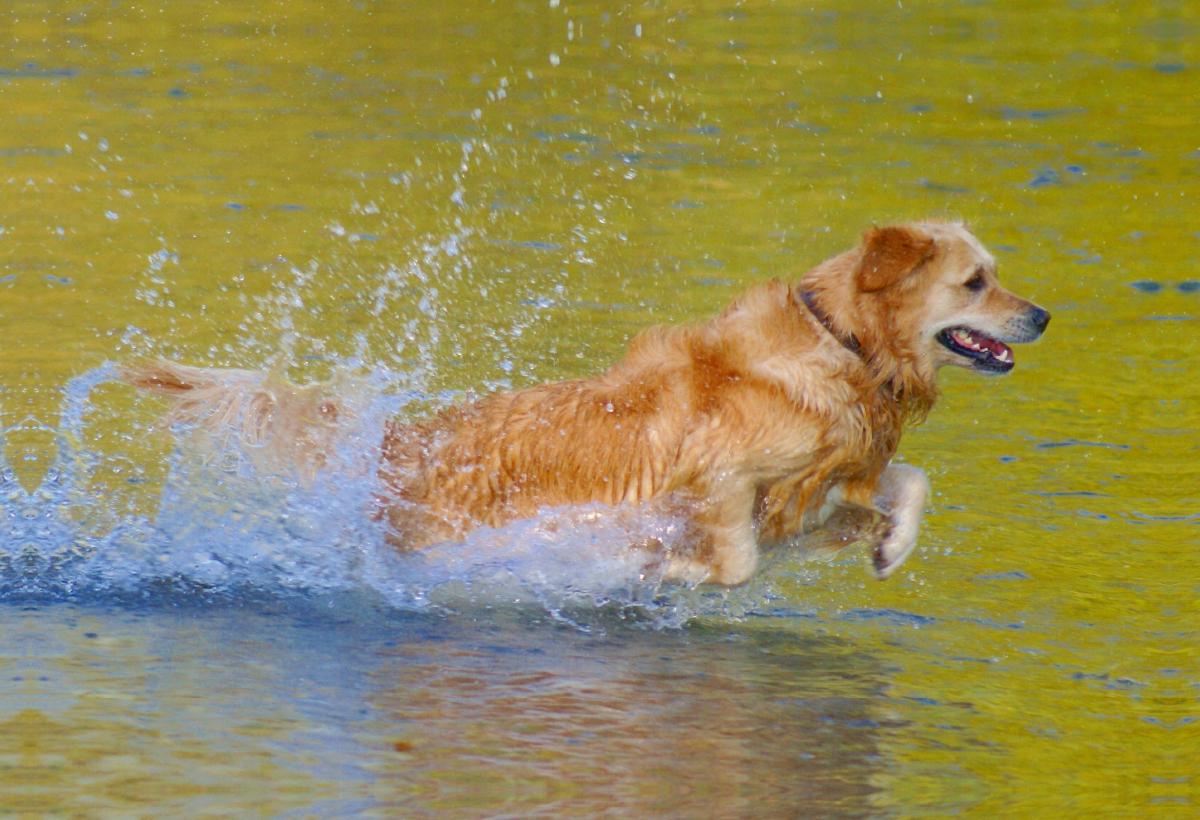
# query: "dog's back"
x,y
613,438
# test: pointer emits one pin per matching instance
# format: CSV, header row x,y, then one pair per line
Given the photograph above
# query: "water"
x,y
446,199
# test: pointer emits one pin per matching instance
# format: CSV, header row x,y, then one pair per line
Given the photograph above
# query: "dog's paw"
x,y
893,549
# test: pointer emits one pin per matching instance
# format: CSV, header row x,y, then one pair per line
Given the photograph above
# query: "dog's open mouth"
x,y
988,354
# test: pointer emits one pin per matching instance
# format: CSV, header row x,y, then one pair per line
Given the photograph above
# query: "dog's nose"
x,y
1039,318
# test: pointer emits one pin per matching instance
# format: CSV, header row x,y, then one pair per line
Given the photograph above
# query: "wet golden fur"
x,y
754,425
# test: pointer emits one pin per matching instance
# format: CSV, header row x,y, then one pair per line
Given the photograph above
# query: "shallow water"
x,y
451,198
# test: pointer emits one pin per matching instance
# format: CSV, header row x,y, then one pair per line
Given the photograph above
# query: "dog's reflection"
x,y
646,725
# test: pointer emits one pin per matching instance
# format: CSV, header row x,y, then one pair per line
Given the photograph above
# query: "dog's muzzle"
x,y
991,353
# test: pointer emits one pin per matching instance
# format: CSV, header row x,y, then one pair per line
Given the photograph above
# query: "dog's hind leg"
x,y
901,494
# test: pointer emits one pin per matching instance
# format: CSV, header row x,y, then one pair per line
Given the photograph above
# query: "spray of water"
x,y
225,526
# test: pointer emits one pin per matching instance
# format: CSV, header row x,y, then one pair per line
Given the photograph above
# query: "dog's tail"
x,y
287,425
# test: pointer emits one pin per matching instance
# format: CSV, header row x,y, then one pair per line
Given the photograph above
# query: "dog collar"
x,y
849,341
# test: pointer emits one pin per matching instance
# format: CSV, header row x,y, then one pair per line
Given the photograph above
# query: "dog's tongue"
x,y
999,349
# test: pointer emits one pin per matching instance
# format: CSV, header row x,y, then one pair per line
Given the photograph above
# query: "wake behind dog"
x,y
775,419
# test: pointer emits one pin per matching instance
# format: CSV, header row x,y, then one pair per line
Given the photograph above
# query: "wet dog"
x,y
777,417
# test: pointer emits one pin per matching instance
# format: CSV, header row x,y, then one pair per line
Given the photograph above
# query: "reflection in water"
x,y
161,713
725,724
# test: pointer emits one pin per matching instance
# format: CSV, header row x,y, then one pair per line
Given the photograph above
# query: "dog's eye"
x,y
975,283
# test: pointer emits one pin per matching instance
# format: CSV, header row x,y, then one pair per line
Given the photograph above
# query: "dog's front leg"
x,y
900,494
724,548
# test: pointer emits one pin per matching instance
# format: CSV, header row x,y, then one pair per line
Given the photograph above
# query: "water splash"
x,y
224,526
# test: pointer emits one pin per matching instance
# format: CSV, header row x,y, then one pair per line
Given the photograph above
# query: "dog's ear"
x,y
890,254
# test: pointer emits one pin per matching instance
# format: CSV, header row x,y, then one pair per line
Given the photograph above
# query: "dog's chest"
x,y
865,432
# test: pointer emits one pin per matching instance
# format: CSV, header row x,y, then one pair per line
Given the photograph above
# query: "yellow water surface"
x,y
481,195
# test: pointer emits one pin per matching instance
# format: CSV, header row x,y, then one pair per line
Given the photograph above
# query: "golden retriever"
x,y
763,423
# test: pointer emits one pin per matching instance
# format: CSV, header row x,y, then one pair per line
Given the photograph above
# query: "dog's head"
x,y
930,290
